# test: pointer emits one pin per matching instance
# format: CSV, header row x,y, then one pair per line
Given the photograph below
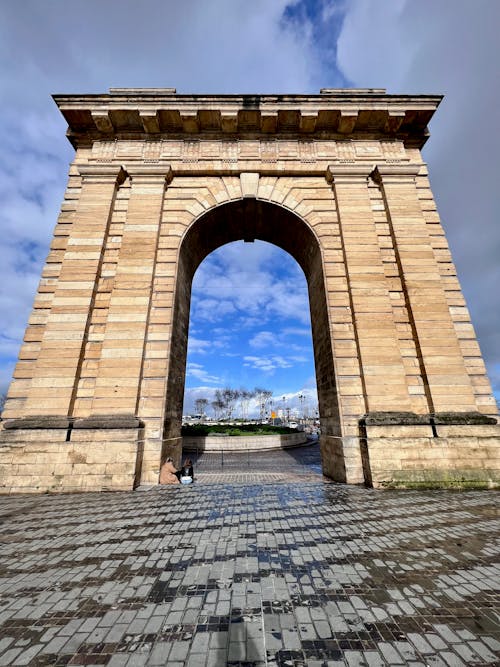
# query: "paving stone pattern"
x,y
250,574
296,464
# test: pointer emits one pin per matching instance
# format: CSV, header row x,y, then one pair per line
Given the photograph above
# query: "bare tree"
x,y
263,397
218,405
230,398
200,405
245,398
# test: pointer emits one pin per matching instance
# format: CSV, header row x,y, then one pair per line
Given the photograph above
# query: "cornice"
x,y
385,173
152,173
153,113
348,172
102,173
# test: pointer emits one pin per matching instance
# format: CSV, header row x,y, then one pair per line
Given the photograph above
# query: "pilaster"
x,y
383,380
124,344
56,372
446,379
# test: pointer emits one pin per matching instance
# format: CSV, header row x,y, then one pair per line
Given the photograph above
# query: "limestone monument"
x,y
159,180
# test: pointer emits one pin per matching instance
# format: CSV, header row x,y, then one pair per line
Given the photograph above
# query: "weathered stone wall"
x,y
42,460
425,455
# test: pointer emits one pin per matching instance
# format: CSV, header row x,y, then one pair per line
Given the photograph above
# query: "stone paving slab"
x,y
296,573
257,477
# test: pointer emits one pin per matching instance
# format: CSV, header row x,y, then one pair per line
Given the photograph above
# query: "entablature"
x,y
132,113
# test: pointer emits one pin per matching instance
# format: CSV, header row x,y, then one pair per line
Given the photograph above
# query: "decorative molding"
x,y
249,184
395,173
149,172
348,173
108,422
38,422
137,113
102,173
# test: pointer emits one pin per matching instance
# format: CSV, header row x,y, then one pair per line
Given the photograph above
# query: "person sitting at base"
x,y
168,472
187,475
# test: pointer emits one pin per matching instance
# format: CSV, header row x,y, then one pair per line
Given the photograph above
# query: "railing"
x,y
248,460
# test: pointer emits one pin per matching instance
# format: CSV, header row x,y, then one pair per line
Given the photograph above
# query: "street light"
x,y
302,398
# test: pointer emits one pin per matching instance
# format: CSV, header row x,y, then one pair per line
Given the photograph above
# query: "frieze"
x,y
367,149
104,149
231,151
152,150
130,149
268,151
191,151
307,151
346,150
393,150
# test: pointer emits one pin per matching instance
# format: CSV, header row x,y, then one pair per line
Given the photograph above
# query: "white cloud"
x,y
218,341
242,278
192,393
198,372
198,346
263,339
437,46
281,340
267,364
151,43
211,310
296,331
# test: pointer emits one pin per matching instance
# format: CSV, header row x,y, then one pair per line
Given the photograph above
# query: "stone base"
x,y
393,450
446,451
57,455
341,459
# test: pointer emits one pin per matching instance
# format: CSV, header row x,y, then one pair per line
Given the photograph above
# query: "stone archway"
x,y
249,219
158,180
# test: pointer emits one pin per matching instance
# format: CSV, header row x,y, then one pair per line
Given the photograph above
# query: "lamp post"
x,y
301,400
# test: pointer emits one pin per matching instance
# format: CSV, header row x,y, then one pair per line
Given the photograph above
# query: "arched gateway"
x,y
159,180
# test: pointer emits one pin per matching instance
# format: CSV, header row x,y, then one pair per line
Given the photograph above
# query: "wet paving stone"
x,y
294,572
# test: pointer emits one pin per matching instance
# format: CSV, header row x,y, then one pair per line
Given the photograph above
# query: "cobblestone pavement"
x,y
296,464
281,574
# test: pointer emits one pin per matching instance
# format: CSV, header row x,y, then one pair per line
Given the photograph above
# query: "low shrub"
x,y
232,430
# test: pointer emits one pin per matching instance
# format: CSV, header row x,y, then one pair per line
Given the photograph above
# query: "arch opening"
x,y
250,327
250,219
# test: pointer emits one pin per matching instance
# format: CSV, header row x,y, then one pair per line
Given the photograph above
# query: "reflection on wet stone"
x,y
289,573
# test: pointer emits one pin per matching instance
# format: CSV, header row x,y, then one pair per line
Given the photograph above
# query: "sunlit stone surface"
x,y
160,180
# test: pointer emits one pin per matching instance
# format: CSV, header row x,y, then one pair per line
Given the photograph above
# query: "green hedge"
x,y
241,429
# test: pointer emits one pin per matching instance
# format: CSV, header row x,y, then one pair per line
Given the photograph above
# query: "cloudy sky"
x,y
236,46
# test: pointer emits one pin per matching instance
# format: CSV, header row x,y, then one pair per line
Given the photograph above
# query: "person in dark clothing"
x,y
187,474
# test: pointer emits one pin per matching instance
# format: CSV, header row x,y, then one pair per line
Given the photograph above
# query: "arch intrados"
x,y
248,220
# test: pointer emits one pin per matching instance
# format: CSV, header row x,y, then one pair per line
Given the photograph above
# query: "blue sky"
x,y
250,325
231,46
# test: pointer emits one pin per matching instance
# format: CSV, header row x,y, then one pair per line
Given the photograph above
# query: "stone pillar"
x,y
56,372
446,379
382,370
124,341
375,370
